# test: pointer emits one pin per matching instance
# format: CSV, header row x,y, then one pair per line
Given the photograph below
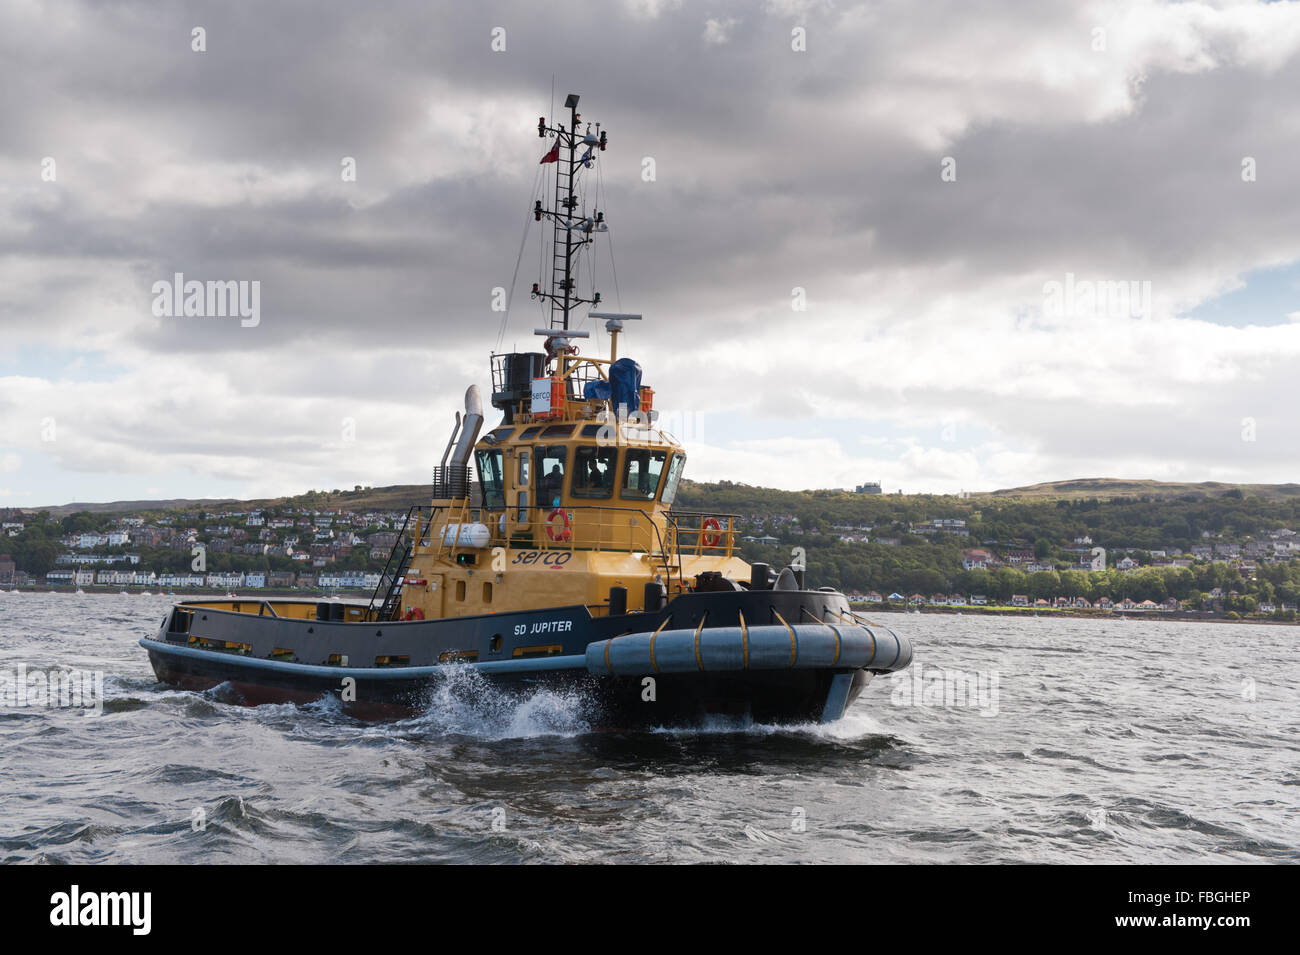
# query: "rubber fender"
x,y
767,647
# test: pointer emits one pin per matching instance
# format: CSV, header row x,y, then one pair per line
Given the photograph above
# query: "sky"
x,y
944,246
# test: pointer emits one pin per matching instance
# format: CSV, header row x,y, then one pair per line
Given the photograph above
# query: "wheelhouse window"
x,y
674,476
525,475
641,471
550,474
491,478
593,471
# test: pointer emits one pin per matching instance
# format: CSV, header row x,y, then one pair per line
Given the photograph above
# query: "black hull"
x,y
284,660
610,703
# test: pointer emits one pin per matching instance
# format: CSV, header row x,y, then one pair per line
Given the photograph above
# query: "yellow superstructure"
x,y
573,502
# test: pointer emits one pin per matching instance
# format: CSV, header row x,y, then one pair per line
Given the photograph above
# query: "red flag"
x,y
554,154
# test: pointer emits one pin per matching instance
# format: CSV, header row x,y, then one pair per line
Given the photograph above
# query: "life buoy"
x,y
415,613
565,532
711,540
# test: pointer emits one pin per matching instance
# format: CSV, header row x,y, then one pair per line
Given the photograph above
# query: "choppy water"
x,y
1108,741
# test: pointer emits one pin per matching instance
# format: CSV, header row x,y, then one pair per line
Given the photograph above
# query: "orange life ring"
x,y
710,540
415,613
565,532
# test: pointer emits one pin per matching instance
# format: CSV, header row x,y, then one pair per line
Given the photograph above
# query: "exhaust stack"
x,y
470,427
451,479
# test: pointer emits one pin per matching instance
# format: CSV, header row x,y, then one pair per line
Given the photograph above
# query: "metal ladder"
x,y
390,581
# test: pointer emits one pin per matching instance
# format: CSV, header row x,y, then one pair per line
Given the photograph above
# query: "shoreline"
x,y
1183,616
1180,616
132,590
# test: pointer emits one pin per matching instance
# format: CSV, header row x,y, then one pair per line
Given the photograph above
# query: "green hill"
x,y
915,542
1111,488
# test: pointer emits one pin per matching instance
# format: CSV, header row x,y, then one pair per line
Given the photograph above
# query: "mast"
x,y
571,234
573,149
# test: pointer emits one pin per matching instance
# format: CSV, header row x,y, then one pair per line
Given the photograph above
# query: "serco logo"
x,y
549,558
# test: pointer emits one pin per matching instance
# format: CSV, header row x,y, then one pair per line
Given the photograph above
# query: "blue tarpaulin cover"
x,y
625,385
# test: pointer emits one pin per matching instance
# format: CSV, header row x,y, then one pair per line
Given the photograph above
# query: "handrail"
x,y
588,526
726,532
397,544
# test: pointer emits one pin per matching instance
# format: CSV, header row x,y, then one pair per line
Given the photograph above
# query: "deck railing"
x,y
590,527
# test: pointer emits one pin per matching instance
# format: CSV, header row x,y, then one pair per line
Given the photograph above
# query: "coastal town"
x,y
1221,553
943,562
296,548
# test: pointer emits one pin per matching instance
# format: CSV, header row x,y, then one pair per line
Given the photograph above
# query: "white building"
x,y
180,580
349,579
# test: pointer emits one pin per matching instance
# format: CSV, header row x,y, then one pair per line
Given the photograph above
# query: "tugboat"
x,y
563,565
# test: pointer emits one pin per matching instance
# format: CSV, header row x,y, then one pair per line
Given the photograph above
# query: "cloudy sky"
x,y
867,251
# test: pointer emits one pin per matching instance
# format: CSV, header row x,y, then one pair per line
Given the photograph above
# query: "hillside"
x,y
1145,540
1105,488
379,498
405,495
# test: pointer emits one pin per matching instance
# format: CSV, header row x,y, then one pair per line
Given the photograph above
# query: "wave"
x,y
465,703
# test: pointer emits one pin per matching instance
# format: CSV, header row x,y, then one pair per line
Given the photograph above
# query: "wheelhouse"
x,y
522,468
